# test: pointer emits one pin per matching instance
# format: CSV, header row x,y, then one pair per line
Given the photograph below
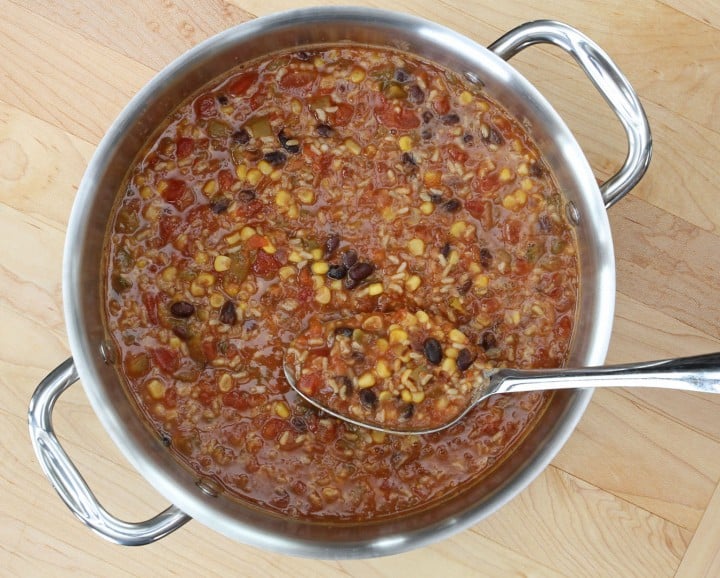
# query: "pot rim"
x,y
86,353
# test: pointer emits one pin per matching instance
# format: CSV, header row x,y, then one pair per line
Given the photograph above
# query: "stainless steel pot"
x,y
93,356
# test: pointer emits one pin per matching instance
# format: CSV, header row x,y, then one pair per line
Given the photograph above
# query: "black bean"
x,y
426,134
488,341
350,283
344,331
345,382
494,137
228,315
293,148
407,411
436,198
465,287
368,397
331,244
464,359
166,440
222,99
453,205
324,130
360,271
182,309
401,75
181,331
349,258
432,350
468,138
302,55
219,205
276,158
450,119
445,251
241,137
408,159
486,258
299,424
246,196
427,116
536,169
337,272
415,94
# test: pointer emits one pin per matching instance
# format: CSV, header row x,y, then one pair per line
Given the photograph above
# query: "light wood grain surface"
x,y
635,492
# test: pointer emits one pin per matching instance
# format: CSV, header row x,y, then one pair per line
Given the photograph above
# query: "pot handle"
x,y
608,79
68,482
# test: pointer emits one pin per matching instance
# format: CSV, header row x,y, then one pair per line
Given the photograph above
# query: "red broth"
x,y
317,185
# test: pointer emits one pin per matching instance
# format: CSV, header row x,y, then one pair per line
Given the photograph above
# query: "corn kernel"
x,y
265,167
217,300
293,211
206,279
442,403
146,192
296,106
416,247
247,232
317,253
366,380
418,396
537,310
375,289
388,214
306,196
233,238
201,258
481,281
382,345
241,172
357,75
281,409
318,281
405,143
253,176
323,295
406,395
225,383
457,336
294,257
458,228
520,197
449,365
432,178
222,263
320,267
210,187
412,283
509,202
269,248
422,317
382,369
523,170
282,198
397,336
372,323
427,208
527,185
378,436
286,272
465,97
156,389
336,285
506,175
352,146
451,352
453,257
169,274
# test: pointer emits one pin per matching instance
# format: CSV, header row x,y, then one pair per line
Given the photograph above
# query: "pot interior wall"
x,y
105,175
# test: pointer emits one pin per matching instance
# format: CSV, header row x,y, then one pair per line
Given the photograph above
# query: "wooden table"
x,y
635,491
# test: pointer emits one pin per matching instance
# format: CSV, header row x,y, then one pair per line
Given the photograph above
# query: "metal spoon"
x,y
699,373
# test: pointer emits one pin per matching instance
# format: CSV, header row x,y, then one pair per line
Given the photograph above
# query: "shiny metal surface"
x,y
68,482
83,266
611,83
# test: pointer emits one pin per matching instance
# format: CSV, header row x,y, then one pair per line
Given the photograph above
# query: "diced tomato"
x,y
265,265
205,106
342,116
257,242
511,231
563,327
238,400
240,84
184,147
273,427
177,194
225,179
165,359
207,391
441,105
167,227
170,397
397,116
151,301
457,154
298,79
487,184
310,383
249,209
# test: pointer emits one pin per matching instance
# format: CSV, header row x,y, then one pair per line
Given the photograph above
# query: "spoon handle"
x,y
699,373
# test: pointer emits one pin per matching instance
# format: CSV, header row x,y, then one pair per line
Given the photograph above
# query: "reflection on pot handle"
x,y
68,482
608,79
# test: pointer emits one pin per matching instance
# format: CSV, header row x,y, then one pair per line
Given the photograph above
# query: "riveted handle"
x,y
609,81
68,482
